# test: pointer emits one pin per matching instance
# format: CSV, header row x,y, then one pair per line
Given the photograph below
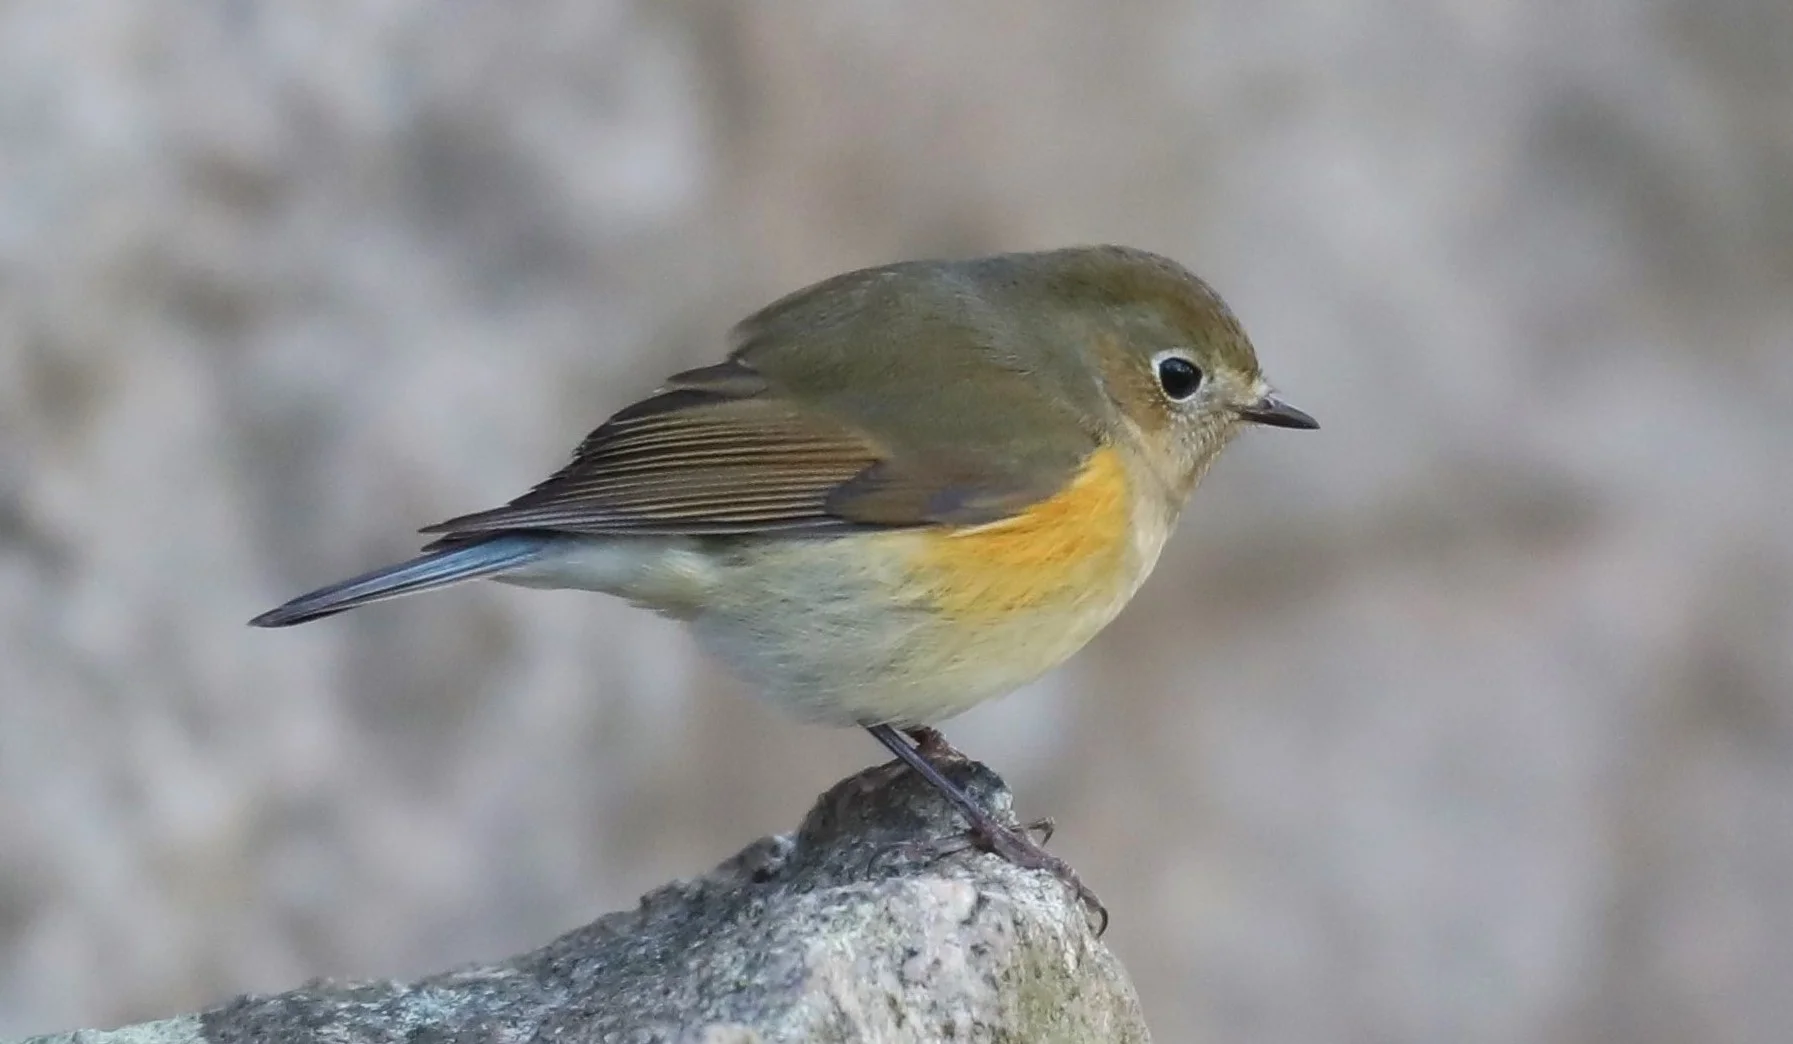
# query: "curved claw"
x,y
1024,852
1018,848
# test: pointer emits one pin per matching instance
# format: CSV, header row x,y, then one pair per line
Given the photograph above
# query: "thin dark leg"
x,y
986,832
981,820
931,745
935,748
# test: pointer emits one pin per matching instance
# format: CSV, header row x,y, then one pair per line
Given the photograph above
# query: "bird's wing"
x,y
722,450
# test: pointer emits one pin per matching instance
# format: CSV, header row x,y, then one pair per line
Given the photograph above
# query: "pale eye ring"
x,y
1178,375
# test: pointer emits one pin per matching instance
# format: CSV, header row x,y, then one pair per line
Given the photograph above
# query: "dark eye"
x,y
1178,377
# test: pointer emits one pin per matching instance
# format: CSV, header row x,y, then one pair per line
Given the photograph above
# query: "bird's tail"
x,y
426,572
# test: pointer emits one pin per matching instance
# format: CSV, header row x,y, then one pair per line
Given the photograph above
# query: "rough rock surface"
x,y
851,929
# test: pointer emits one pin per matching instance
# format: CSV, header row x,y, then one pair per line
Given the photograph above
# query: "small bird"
x,y
907,490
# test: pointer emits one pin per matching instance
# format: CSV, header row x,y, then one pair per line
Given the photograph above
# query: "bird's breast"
x,y
1074,550
913,626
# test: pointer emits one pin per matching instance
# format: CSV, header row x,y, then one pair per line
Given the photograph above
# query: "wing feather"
x,y
693,461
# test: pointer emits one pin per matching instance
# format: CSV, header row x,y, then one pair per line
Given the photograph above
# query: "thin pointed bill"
x,y
1276,413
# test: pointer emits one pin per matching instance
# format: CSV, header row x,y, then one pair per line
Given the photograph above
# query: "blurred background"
x,y
1468,718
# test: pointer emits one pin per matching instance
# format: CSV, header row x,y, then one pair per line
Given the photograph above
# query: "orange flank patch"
x,y
1066,549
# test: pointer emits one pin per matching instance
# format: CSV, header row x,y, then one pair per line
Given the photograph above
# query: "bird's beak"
x,y
1276,413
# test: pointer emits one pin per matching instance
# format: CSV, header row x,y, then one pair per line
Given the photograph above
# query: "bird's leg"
x,y
930,744
986,832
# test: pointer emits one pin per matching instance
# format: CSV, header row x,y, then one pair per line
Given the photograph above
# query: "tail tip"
x,y
287,615
438,568
274,618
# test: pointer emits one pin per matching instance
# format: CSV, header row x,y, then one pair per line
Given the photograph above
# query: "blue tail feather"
x,y
426,572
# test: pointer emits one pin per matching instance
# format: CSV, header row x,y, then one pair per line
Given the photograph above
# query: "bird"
x,y
905,490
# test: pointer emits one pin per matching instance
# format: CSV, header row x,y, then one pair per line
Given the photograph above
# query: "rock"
x,y
851,929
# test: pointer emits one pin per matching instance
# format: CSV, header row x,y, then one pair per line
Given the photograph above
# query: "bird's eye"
x,y
1179,377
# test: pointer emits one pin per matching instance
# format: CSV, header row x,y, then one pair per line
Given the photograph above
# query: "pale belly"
x,y
842,633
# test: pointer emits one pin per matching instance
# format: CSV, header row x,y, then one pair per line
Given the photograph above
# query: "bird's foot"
x,y
986,833
1020,848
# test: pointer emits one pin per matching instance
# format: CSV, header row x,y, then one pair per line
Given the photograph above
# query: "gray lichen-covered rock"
x,y
852,929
